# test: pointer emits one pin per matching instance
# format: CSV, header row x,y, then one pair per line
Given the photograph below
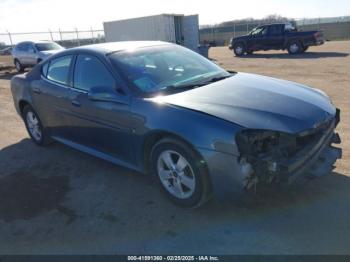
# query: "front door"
x,y
257,39
99,125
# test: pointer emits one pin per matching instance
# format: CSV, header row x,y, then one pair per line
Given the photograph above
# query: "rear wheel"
x,y
180,173
239,49
37,132
294,48
19,66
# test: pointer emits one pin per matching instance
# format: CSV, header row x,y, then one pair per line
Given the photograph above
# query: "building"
x,y
172,28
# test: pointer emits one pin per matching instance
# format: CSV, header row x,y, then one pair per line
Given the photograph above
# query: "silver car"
x,y
27,54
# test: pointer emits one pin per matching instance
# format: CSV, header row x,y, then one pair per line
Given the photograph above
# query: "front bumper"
x,y
229,177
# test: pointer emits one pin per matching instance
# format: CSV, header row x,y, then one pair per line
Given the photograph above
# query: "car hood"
x,y
258,102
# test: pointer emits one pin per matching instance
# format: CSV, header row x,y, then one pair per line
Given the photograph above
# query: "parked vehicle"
x,y
6,51
28,54
282,36
160,108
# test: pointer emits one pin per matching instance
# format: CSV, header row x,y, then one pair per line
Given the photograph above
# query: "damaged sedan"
x,y
164,110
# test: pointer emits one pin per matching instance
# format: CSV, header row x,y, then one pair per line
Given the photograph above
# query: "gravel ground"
x,y
56,200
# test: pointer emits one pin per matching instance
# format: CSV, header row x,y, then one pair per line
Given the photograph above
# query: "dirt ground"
x,y
56,200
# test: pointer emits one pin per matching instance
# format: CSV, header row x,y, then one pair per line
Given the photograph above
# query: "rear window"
x,y
58,70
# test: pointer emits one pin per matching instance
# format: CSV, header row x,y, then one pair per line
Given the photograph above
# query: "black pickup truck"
x,y
276,37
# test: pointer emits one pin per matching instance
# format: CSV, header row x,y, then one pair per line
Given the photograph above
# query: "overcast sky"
x,y
36,15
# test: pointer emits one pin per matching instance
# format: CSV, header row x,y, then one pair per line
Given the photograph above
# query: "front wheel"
x,y
239,49
181,173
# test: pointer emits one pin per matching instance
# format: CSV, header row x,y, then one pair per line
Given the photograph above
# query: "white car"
x,y
27,54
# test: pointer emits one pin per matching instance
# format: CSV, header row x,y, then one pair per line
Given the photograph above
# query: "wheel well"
x,y
240,42
22,104
152,139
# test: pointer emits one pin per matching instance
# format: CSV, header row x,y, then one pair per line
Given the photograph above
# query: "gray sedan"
x,y
164,110
28,54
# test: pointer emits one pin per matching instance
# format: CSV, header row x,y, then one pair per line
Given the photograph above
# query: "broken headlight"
x,y
255,142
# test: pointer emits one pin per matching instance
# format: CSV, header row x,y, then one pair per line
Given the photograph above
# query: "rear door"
x,y
275,37
50,95
31,55
22,53
99,125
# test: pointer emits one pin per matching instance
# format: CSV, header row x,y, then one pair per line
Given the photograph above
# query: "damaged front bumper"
x,y
232,176
313,157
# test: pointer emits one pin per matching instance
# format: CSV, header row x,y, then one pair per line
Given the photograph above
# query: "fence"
x,y
64,38
337,28
333,28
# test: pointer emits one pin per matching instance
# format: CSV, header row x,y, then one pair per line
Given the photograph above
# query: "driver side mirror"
x,y
105,94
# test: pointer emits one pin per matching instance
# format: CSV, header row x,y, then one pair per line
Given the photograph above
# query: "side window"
x,y
22,47
59,69
30,48
275,30
90,72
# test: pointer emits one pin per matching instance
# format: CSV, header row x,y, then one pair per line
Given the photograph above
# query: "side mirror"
x,y
105,94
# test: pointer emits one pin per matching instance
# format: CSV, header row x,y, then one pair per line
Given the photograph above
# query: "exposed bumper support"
x,y
230,176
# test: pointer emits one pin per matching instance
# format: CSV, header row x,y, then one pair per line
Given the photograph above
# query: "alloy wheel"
x,y
176,174
33,125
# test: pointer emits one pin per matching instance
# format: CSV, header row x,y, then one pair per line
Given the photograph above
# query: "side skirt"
x,y
97,153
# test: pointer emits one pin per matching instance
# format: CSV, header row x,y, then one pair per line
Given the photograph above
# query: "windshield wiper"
x,y
181,87
217,78
194,85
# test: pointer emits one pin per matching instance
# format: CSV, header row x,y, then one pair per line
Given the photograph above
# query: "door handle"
x,y
36,90
76,103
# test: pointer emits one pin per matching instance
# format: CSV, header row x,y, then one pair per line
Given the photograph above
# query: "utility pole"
x,y
76,31
59,31
10,38
51,35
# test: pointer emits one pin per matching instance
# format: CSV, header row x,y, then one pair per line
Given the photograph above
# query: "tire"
x,y
19,66
294,48
239,49
180,173
37,132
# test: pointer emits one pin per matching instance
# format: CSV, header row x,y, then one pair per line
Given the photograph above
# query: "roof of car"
x,y
281,23
35,42
119,46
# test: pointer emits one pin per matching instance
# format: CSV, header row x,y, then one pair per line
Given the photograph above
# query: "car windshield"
x,y
166,68
47,46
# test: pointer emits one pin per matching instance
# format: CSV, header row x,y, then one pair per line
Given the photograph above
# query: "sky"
x,y
41,15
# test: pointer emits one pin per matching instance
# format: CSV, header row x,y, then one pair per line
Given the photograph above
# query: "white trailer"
x,y
178,29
